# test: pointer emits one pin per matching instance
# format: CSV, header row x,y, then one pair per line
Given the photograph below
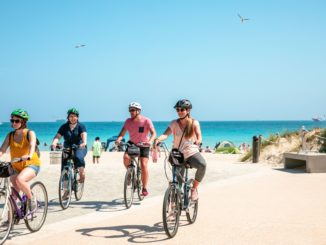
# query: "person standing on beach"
x,y
138,127
74,133
187,130
22,143
96,148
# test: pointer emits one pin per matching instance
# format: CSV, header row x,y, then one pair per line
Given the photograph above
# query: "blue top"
x,y
72,137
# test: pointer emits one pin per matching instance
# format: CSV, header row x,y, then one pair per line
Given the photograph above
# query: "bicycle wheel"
x,y
78,187
171,211
139,185
129,187
35,220
192,209
6,218
65,188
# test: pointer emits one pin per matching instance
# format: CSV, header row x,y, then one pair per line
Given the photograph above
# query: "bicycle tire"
x,y
171,209
139,185
65,187
192,209
36,219
129,187
78,187
6,218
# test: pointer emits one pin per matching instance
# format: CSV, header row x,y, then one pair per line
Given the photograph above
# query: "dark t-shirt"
x,y
72,137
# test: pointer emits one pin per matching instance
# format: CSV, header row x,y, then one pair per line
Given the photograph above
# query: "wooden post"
x,y
255,149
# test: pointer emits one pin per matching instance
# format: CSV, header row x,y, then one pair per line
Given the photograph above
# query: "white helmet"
x,y
135,105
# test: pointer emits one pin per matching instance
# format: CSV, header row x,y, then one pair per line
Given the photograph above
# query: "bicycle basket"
x,y
176,157
6,170
133,150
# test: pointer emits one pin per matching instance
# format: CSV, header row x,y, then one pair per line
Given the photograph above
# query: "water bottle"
x,y
154,155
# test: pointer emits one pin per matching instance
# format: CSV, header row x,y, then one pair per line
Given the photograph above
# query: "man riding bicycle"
x,y
138,127
74,133
22,143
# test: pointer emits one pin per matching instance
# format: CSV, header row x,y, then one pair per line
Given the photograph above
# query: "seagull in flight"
x,y
242,19
80,46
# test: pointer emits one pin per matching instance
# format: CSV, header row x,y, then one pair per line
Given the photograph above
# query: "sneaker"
x,y
144,192
194,194
32,204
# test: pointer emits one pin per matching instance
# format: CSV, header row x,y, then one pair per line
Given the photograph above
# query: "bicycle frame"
x,y
13,196
185,185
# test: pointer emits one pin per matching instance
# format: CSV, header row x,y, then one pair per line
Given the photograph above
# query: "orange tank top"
x,y
20,149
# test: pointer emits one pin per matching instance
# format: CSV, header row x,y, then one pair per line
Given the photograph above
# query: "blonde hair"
x,y
189,130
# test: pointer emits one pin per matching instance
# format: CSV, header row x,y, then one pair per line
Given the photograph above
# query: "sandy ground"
x,y
239,204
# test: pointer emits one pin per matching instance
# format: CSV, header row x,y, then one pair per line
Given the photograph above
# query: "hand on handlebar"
x,y
53,147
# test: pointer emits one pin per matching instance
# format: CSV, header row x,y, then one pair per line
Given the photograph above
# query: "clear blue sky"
x,y
155,52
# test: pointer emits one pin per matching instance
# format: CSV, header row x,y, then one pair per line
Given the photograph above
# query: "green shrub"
x,y
322,142
227,150
247,156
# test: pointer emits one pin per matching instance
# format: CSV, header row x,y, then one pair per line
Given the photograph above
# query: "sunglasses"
x,y
180,109
15,120
132,110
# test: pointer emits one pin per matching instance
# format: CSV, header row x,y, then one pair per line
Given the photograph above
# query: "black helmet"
x,y
186,104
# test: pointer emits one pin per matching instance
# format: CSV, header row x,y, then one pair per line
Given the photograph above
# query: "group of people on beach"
x,y
22,143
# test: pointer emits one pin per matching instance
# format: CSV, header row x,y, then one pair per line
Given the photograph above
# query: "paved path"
x,y
263,207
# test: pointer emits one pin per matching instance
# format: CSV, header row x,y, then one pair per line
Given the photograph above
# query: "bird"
x,y
242,19
80,46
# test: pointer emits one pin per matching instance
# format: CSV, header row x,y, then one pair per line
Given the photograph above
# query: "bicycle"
x,y
69,179
177,197
13,206
133,181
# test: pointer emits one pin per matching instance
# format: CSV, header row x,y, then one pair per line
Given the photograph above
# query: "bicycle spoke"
x,y
34,220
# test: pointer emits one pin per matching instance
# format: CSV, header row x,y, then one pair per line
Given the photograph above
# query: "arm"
x,y
153,135
121,134
163,136
198,134
84,140
4,146
55,141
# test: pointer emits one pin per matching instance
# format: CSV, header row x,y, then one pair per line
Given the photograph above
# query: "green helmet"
x,y
20,113
73,111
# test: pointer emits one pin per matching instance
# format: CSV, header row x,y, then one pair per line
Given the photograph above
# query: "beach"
x,y
240,203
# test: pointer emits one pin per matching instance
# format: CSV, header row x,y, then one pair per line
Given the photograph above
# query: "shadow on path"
x,y
133,233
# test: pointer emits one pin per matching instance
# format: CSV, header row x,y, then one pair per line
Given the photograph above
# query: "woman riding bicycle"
x,y
22,143
74,133
188,131
138,127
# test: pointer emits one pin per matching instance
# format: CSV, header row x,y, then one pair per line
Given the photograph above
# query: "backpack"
x,y
37,150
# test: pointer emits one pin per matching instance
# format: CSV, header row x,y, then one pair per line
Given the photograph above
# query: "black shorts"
x,y
144,151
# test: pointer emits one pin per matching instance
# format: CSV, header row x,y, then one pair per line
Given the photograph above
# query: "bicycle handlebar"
x,y
18,159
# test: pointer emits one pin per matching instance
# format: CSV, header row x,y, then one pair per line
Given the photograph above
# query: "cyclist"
x,y
138,128
22,143
74,133
190,141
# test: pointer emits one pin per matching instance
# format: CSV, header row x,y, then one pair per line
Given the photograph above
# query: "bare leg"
x,y
82,174
126,160
22,181
196,184
144,171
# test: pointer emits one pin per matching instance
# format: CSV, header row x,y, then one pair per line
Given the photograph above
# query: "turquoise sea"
x,y
212,131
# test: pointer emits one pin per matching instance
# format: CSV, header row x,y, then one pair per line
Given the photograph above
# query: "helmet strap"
x,y
185,116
